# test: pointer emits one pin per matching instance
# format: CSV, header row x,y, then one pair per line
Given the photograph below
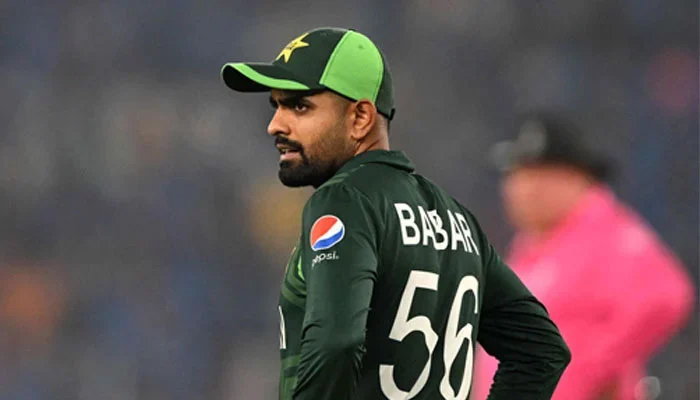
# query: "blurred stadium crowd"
x,y
144,231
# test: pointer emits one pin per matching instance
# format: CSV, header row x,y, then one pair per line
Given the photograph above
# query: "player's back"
x,y
421,328
387,289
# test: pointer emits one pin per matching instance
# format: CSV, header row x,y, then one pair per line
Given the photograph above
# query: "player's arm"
x,y
338,294
515,328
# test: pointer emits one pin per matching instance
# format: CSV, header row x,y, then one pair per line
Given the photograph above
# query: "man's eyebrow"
x,y
290,101
287,101
292,98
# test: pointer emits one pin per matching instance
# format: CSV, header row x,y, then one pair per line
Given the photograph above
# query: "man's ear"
x,y
364,116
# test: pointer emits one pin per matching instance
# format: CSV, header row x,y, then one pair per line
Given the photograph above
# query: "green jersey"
x,y
389,287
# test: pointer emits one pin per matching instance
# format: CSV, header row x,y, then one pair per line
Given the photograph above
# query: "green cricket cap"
x,y
341,60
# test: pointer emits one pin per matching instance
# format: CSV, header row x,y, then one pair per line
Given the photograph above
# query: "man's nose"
x,y
277,125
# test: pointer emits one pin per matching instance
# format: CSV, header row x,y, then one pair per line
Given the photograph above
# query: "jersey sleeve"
x,y
516,329
339,265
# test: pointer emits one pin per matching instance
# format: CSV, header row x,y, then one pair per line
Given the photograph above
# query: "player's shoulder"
x,y
368,180
338,193
358,189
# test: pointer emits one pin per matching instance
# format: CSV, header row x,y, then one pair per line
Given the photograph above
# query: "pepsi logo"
x,y
326,232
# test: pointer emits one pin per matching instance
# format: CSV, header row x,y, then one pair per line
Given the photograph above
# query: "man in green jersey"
x,y
392,280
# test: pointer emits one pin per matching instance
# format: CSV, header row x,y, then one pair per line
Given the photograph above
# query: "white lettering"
x,y
457,235
427,227
431,229
467,233
439,232
407,219
324,257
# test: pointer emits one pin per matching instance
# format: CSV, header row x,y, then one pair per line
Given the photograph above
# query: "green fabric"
x,y
342,334
266,81
341,60
355,69
291,296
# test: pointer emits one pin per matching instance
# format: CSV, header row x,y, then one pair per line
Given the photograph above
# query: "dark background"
x,y
143,230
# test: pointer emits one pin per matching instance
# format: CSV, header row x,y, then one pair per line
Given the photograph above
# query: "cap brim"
x,y
261,77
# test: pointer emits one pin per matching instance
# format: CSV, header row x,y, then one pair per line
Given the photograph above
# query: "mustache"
x,y
279,140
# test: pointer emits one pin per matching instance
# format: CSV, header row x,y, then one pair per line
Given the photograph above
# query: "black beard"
x,y
310,171
305,174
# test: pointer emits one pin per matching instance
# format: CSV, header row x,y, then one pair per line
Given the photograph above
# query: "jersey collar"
x,y
396,159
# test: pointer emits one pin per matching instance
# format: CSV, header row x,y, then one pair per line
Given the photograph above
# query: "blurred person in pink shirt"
x,y
612,286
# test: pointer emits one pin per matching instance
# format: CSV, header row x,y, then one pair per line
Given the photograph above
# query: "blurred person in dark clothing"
x,y
612,286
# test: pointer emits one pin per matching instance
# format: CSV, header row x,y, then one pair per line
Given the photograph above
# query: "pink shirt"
x,y
613,288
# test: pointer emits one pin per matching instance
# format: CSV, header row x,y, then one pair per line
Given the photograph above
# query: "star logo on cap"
x,y
293,45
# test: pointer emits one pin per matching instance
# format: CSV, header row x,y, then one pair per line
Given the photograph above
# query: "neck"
x,y
377,141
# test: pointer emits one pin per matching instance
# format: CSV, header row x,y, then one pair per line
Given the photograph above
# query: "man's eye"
x,y
300,107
